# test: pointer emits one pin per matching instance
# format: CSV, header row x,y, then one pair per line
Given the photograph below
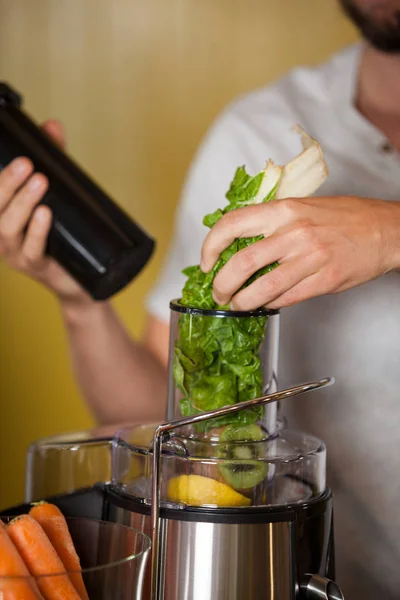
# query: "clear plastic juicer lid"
x,y
288,468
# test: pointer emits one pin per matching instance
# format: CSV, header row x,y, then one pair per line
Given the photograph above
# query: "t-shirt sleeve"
x,y
222,151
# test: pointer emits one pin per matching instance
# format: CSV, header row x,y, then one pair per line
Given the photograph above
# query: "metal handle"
x,y
162,429
321,588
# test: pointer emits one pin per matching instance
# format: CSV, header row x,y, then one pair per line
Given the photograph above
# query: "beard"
x,y
378,21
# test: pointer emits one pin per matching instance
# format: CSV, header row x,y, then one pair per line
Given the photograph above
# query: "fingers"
x,y
310,287
241,266
55,131
285,246
11,179
241,223
261,219
34,245
269,288
16,215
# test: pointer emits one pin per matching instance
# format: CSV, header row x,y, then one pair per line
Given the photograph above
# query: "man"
x,y
325,244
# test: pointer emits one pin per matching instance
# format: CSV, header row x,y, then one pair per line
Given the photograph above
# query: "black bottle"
x,y
91,237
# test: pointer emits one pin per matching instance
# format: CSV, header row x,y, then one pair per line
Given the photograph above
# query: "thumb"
x,y
55,131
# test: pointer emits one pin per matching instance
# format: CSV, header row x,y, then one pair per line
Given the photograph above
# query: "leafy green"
x,y
216,360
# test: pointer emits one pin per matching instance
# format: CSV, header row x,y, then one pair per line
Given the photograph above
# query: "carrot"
x,y
41,559
11,568
53,523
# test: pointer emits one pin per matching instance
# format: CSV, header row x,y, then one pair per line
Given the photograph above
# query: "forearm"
x,y
120,379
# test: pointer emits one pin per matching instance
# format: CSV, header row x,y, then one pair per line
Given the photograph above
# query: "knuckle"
x,y
305,232
246,262
240,303
273,281
323,253
290,206
230,219
332,277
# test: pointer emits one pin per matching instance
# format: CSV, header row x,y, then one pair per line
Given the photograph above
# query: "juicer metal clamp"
x,y
316,585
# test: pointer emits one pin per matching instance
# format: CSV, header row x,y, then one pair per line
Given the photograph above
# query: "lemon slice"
x,y
196,490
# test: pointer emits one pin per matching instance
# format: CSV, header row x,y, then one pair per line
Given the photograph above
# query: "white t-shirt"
x,y
353,336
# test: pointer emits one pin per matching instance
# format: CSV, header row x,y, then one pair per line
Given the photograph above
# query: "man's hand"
x,y
323,245
20,192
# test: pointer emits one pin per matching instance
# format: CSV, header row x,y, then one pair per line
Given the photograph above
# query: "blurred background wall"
x,y
136,84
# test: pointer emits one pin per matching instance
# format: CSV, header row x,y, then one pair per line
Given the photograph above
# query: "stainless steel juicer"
x,y
229,519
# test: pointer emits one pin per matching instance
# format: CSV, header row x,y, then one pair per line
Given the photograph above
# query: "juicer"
x,y
235,503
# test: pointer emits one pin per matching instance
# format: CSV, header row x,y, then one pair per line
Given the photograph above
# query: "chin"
x,y
378,22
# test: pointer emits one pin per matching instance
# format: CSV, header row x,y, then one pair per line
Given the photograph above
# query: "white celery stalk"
x,y
303,175
272,177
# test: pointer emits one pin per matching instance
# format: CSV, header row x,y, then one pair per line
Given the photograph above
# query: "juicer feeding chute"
x,y
219,357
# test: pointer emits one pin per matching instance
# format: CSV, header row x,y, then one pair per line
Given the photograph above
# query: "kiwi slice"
x,y
246,433
241,469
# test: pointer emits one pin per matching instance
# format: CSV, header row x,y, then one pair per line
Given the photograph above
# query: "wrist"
x,y
391,236
78,312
